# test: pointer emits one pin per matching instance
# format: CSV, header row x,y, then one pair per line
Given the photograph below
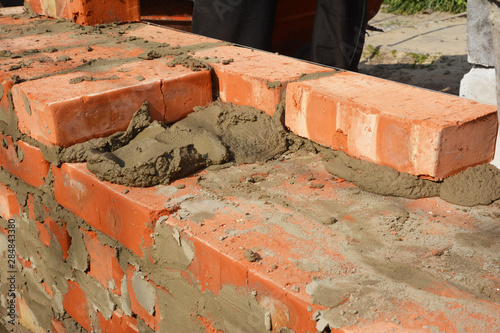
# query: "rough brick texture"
x,y
253,77
88,12
59,111
271,247
127,218
23,161
409,129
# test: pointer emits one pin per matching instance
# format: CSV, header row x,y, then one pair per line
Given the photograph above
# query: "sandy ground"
x,y
425,50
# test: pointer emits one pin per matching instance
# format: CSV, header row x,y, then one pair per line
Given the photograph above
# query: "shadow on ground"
x,y
436,72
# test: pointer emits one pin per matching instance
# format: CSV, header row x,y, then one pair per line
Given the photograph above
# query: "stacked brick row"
x,y
91,255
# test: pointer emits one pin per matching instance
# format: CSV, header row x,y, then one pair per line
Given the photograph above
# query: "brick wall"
x,y
96,256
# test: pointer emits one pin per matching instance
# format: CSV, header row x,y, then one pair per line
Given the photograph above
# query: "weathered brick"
x,y
54,111
23,161
9,206
410,129
49,229
119,322
165,35
30,43
88,12
104,266
10,11
143,299
126,217
75,304
39,65
253,77
58,326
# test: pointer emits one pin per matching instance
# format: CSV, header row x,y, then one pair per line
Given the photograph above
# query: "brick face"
x,y
88,12
409,129
151,316
23,161
123,217
254,77
9,206
104,266
75,304
54,111
119,322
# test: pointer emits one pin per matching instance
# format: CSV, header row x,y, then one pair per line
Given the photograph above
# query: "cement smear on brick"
x,y
475,186
479,185
214,135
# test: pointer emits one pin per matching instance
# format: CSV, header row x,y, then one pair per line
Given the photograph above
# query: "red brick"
x,y
32,169
75,304
89,12
410,129
104,266
166,35
119,322
64,114
20,44
48,229
47,289
58,326
244,81
10,11
47,63
128,218
152,320
44,233
9,206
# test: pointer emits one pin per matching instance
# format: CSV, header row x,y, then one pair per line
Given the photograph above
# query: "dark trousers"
x,y
338,34
245,22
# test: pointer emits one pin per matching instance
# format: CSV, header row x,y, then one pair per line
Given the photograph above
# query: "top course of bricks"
x,y
71,83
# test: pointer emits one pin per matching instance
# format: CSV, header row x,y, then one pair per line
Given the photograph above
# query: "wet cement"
x,y
159,154
213,135
148,154
478,185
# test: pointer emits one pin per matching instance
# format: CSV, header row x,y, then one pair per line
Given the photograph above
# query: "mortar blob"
x,y
219,133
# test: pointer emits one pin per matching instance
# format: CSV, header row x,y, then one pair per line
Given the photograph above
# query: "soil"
x,y
424,50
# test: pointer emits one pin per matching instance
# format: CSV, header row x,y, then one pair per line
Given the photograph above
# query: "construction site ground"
x,y
424,50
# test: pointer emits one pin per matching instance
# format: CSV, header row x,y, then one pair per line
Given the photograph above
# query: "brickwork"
x,y
96,256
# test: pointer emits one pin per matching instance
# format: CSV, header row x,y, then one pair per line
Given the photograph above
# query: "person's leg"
x,y
246,22
339,33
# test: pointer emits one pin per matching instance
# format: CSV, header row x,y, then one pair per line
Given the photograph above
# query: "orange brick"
x,y
58,326
53,111
27,163
44,233
412,130
49,228
20,44
10,11
104,266
75,304
244,81
88,12
45,64
119,322
166,35
9,206
128,218
152,320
